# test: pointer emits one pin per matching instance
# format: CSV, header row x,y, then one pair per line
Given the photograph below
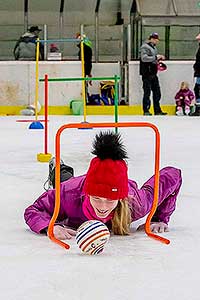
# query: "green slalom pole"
x,y
115,78
82,78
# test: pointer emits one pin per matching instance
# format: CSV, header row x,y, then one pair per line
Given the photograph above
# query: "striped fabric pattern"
x,y
92,236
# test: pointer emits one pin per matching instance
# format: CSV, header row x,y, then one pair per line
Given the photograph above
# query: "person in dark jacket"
x,y
196,68
105,193
87,48
149,59
25,48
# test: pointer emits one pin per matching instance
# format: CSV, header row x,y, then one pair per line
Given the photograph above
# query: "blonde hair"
x,y
122,218
184,85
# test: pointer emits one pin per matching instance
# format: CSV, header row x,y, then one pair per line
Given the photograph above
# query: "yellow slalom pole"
x,y
83,81
37,78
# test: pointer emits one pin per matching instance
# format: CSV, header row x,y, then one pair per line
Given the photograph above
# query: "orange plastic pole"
x,y
57,199
156,192
106,125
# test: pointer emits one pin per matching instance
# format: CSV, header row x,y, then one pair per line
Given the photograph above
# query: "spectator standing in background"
x,y
25,48
149,59
87,48
196,68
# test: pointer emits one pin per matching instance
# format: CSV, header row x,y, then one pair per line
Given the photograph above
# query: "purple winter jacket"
x,y
38,215
186,94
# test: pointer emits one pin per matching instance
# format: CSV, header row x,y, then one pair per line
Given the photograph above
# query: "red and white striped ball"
x,y
92,236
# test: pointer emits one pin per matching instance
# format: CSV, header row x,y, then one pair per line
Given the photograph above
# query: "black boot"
x,y
66,172
197,111
160,113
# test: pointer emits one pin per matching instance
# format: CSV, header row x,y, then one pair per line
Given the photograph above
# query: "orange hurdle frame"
x,y
106,125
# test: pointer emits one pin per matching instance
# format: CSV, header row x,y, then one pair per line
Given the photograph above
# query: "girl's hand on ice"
x,y
159,227
63,233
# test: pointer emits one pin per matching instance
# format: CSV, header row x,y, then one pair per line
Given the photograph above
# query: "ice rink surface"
x,y
131,268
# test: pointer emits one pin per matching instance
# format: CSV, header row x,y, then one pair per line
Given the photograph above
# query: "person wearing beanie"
x,y
105,193
25,47
149,65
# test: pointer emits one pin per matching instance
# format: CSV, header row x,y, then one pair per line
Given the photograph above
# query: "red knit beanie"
x,y
107,177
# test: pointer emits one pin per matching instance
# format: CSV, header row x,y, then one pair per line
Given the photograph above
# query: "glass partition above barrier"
x,y
176,41
179,43
155,8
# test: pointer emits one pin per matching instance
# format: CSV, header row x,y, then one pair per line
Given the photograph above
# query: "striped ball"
x,y
92,236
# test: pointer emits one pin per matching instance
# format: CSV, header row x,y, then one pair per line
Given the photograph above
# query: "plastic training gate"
x,y
106,125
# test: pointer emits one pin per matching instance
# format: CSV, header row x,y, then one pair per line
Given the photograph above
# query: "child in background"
x,y
184,99
54,48
106,194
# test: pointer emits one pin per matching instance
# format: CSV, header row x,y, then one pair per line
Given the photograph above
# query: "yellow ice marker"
x,y
37,124
37,78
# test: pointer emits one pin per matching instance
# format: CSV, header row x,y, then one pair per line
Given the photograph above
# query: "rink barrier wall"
x,y
17,85
91,110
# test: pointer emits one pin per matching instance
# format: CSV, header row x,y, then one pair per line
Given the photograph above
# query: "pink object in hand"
x,y
161,66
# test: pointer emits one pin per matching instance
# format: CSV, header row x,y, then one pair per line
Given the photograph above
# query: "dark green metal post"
x,y
116,102
167,42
